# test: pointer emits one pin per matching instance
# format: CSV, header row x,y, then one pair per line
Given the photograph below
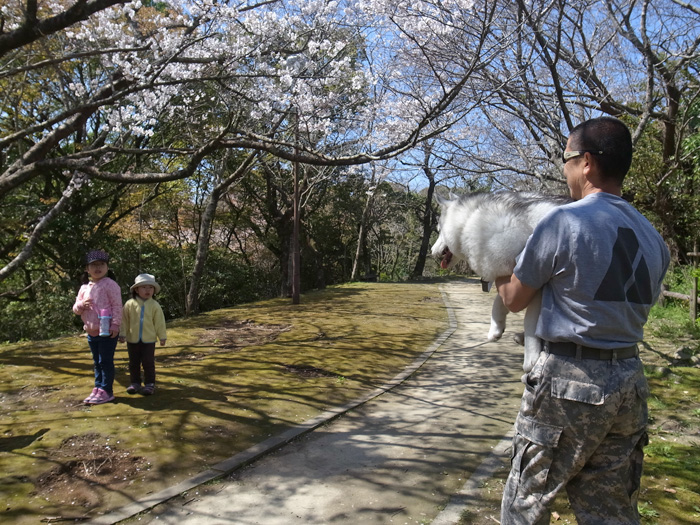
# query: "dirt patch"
x,y
230,335
84,464
27,393
237,334
309,371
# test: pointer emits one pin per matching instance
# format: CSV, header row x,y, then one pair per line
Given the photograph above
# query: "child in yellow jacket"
x,y
143,323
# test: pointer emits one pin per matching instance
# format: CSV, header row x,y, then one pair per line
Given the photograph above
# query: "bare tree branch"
x,y
76,181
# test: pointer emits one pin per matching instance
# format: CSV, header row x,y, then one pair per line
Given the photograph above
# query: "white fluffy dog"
x,y
489,230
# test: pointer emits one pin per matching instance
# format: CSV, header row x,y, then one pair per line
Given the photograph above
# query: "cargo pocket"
x,y
637,457
533,450
577,391
636,462
642,388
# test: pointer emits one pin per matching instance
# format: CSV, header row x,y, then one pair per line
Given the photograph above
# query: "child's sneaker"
x,y
89,398
133,388
101,397
148,389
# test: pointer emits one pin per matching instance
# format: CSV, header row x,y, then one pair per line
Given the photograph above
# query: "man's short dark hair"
x,y
612,137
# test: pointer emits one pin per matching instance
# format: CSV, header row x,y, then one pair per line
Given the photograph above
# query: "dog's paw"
x,y
496,332
519,338
533,347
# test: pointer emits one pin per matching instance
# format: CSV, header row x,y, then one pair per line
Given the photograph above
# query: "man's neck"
x,y
613,189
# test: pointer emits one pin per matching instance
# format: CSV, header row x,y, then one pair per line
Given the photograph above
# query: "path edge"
x,y
469,493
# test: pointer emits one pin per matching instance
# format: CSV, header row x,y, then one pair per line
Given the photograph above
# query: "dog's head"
x,y
441,247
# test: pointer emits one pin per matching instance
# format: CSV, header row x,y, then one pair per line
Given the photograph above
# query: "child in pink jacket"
x,y
99,302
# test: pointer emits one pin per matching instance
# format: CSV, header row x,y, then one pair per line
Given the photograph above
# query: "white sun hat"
x,y
145,279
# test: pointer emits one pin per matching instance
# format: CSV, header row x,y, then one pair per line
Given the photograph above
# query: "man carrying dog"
x,y
583,414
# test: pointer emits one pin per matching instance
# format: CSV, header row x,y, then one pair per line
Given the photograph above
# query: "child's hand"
x,y
122,339
113,332
87,304
162,342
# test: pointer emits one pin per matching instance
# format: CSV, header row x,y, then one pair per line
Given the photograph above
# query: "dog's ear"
x,y
439,199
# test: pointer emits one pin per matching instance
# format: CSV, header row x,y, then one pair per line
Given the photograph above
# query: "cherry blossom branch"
x,y
34,28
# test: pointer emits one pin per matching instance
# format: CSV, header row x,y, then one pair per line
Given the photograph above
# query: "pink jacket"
x,y
105,294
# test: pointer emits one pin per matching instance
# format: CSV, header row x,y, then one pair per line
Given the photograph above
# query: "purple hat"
x,y
96,255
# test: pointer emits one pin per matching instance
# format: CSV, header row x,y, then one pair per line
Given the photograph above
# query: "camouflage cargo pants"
x,y
581,426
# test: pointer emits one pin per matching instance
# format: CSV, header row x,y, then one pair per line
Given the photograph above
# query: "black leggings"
x,y
142,354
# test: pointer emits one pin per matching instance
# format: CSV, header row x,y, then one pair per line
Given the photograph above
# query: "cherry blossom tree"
x,y
145,91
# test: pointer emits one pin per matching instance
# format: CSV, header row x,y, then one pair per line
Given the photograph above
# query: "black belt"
x,y
567,349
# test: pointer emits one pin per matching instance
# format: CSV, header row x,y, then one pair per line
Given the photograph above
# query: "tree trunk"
x,y
428,220
205,227
296,250
192,304
362,235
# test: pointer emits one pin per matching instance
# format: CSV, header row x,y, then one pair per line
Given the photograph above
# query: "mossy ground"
x,y
226,380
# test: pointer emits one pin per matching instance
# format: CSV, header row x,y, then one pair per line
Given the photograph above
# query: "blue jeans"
x,y
103,348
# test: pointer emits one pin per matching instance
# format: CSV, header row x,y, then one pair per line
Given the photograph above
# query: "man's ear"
x,y
591,171
589,166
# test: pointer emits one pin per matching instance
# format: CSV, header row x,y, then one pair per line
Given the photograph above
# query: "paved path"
x,y
399,458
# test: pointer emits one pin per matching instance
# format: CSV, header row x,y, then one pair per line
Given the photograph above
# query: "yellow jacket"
x,y
142,321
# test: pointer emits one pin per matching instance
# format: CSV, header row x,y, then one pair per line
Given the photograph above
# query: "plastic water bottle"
x,y
105,317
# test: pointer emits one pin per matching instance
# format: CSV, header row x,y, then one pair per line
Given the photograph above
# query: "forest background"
x,y
246,150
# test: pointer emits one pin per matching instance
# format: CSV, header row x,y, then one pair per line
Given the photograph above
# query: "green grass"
x,y
672,459
672,323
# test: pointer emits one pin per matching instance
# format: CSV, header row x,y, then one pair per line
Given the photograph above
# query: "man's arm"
x,y
515,295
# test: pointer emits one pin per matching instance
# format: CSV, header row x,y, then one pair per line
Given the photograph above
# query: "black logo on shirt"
x,y
627,277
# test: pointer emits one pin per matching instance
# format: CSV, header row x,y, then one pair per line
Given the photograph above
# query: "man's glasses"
x,y
568,155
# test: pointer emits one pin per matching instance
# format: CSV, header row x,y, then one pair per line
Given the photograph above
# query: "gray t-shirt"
x,y
600,265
